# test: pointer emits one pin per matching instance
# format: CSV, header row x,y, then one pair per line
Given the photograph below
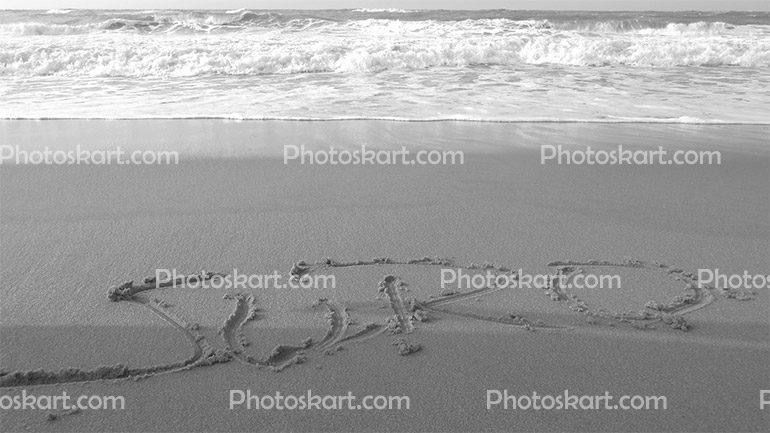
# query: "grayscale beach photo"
x,y
384,216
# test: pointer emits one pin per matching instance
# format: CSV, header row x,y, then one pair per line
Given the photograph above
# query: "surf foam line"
x,y
687,120
407,313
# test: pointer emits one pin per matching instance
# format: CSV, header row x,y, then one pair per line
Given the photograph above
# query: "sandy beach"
x,y
70,232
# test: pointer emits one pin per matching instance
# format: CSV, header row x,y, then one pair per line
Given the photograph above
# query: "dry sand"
x,y
67,233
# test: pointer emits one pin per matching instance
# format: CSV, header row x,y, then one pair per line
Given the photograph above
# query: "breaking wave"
x,y
381,48
68,21
681,67
390,11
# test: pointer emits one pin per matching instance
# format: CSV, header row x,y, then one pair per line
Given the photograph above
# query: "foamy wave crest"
x,y
137,56
695,29
247,20
37,29
164,22
390,11
687,120
651,27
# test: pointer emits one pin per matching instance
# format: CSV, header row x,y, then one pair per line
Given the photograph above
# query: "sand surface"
x,y
67,233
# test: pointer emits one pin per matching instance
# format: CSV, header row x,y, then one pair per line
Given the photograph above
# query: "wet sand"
x,y
70,232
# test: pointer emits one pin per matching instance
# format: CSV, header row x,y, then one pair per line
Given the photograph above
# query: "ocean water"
x,y
495,65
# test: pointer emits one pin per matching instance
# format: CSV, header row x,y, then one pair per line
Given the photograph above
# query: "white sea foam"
x,y
240,117
388,10
305,46
365,63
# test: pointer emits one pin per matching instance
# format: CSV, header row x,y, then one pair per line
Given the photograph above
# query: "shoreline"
x,y
212,139
684,120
